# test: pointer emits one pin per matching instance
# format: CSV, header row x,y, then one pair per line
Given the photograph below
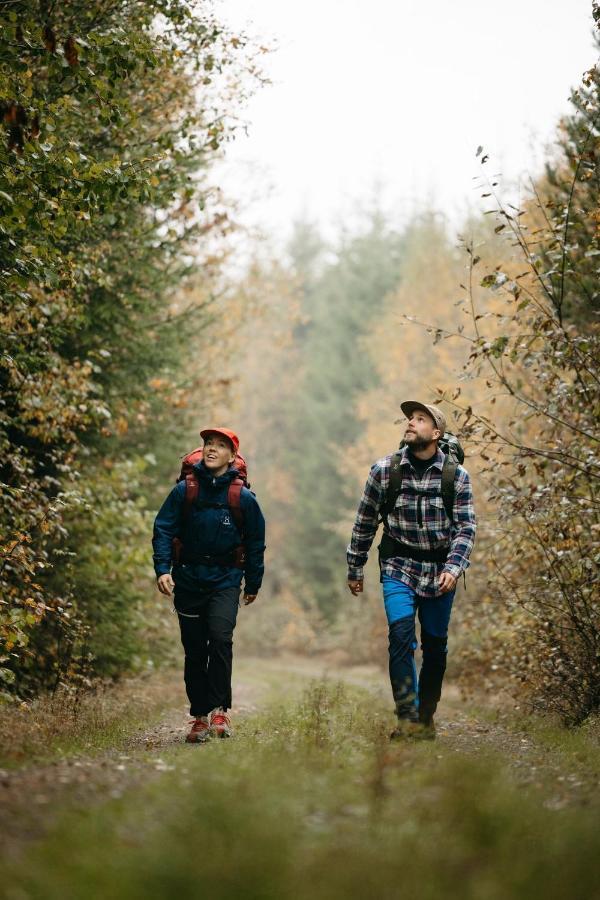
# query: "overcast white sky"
x,y
400,93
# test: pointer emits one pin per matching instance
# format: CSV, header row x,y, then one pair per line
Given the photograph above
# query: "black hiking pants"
x,y
207,619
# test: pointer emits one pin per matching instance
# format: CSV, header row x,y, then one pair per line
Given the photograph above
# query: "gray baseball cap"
x,y
409,406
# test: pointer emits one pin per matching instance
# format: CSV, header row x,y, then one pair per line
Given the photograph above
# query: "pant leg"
x,y
221,617
434,617
194,637
400,608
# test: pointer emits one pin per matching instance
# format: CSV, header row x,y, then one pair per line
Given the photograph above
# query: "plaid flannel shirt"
x,y
418,520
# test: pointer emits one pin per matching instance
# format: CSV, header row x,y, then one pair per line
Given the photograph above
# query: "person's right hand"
x,y
355,587
165,584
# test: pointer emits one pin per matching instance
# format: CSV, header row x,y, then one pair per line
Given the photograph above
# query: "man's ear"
x,y
436,434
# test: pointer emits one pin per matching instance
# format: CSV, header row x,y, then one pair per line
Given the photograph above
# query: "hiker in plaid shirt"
x,y
422,554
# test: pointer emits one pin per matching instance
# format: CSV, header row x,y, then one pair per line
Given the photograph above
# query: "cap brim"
x,y
409,406
205,433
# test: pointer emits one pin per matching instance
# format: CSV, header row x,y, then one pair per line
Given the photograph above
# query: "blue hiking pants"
x,y
401,606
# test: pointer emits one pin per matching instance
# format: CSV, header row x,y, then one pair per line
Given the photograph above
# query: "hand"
x,y
446,582
165,584
249,598
355,587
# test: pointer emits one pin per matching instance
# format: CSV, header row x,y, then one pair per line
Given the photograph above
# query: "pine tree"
x,y
570,194
341,302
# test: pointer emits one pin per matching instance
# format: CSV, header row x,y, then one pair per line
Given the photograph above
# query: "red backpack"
x,y
192,487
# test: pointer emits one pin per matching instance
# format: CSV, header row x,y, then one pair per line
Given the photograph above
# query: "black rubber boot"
x,y
426,713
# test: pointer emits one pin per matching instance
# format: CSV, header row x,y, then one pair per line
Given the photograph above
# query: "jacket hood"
x,y
203,475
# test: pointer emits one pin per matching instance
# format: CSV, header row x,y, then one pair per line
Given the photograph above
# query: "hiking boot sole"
x,y
413,731
197,740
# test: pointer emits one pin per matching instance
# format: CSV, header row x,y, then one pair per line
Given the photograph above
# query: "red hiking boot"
x,y
220,724
200,731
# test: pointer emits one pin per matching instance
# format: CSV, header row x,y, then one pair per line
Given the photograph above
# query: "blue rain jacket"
x,y
210,531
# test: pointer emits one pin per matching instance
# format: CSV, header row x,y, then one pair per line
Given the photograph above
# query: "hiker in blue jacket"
x,y
200,556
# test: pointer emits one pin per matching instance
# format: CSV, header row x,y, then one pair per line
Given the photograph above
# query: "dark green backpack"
x,y
454,456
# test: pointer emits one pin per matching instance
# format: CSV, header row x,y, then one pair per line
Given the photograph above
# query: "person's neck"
x,y
216,473
427,452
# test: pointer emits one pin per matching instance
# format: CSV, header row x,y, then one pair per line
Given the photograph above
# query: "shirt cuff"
x,y
456,571
355,573
162,569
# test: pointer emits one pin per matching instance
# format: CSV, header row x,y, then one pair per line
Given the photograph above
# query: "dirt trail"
x,y
32,796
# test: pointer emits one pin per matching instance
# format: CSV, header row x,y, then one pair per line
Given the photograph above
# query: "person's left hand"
x,y
249,598
446,582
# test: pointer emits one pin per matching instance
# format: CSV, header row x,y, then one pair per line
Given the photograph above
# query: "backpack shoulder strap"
x,y
394,486
191,494
447,489
235,504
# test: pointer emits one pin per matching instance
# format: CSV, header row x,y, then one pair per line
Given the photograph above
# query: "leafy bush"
x,y
536,345
112,113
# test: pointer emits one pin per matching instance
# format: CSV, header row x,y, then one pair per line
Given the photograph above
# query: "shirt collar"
x,y
438,459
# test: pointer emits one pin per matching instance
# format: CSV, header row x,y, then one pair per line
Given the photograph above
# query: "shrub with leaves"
x,y
112,114
536,345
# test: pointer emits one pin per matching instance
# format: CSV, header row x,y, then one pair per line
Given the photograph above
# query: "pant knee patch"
x,y
219,636
220,629
433,643
403,628
402,637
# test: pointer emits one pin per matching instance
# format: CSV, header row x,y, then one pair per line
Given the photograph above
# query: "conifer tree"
x,y
341,302
570,194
